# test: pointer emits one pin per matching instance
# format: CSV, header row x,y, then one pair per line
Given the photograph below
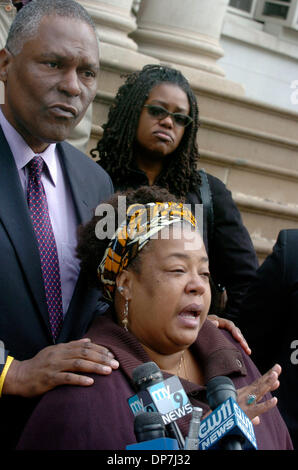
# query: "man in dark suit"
x,y
269,321
49,69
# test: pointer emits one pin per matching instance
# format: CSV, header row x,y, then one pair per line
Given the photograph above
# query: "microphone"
x,y
148,426
192,440
227,427
150,432
164,396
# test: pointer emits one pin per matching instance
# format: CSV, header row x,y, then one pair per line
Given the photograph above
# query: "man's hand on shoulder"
x,y
60,364
232,328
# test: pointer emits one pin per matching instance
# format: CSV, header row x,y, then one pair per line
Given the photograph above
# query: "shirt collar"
x,y
22,153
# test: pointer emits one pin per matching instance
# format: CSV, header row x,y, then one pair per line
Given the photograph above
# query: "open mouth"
x,y
191,311
189,314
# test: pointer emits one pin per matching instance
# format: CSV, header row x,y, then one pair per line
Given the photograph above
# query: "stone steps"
x,y
250,146
246,112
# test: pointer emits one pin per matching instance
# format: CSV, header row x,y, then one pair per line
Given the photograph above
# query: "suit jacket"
x,y
269,321
24,323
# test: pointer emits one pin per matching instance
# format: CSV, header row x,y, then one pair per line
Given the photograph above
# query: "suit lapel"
x,y
15,217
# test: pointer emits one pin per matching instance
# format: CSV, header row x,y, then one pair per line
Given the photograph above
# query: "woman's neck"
x,y
182,364
167,362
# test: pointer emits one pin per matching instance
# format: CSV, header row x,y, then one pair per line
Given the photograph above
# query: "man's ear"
x,y
5,60
124,283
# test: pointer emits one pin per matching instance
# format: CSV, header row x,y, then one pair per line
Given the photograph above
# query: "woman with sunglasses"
x,y
150,138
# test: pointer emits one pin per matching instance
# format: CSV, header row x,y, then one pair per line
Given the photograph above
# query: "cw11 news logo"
x,y
167,398
226,419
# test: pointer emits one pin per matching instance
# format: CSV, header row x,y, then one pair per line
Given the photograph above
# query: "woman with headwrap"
x,y
150,137
154,273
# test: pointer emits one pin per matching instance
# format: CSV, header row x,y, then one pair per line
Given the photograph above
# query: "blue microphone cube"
x,y
162,443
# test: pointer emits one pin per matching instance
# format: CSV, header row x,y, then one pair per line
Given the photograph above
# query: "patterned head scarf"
x,y
142,222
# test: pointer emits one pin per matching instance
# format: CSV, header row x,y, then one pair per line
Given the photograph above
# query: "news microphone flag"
x,y
141,402
228,419
166,397
147,375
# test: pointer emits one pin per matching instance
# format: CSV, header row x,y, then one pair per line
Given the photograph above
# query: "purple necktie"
x,y
38,207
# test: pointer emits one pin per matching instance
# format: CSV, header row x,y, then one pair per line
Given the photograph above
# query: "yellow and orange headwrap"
x,y
142,222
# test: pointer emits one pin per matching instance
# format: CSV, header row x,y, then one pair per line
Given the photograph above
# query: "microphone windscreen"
x,y
145,373
219,389
149,426
148,419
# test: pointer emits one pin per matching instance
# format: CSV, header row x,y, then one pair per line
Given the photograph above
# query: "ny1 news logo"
x,y
167,398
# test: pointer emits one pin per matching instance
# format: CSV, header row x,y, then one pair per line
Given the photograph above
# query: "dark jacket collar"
x,y
217,354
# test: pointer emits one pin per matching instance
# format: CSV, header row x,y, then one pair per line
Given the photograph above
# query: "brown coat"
x,y
98,417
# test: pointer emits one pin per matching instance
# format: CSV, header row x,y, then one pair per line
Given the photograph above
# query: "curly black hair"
x,y
90,249
116,147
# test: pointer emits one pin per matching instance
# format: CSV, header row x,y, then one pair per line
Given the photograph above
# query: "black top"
x,y
269,321
233,260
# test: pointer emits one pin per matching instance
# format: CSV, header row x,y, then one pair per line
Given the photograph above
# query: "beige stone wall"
x,y
250,146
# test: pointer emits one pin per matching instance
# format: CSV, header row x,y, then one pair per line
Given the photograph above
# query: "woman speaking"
x,y
154,272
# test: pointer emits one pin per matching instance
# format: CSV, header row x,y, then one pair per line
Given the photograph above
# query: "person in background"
x,y
49,69
269,320
80,135
150,138
154,273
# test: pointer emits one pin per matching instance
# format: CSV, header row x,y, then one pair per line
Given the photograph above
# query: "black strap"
x,y
218,291
207,201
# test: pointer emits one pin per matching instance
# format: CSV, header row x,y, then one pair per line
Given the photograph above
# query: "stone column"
x,y
185,33
114,21
118,54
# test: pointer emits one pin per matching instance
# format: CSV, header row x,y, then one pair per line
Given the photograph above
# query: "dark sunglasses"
x,y
159,112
